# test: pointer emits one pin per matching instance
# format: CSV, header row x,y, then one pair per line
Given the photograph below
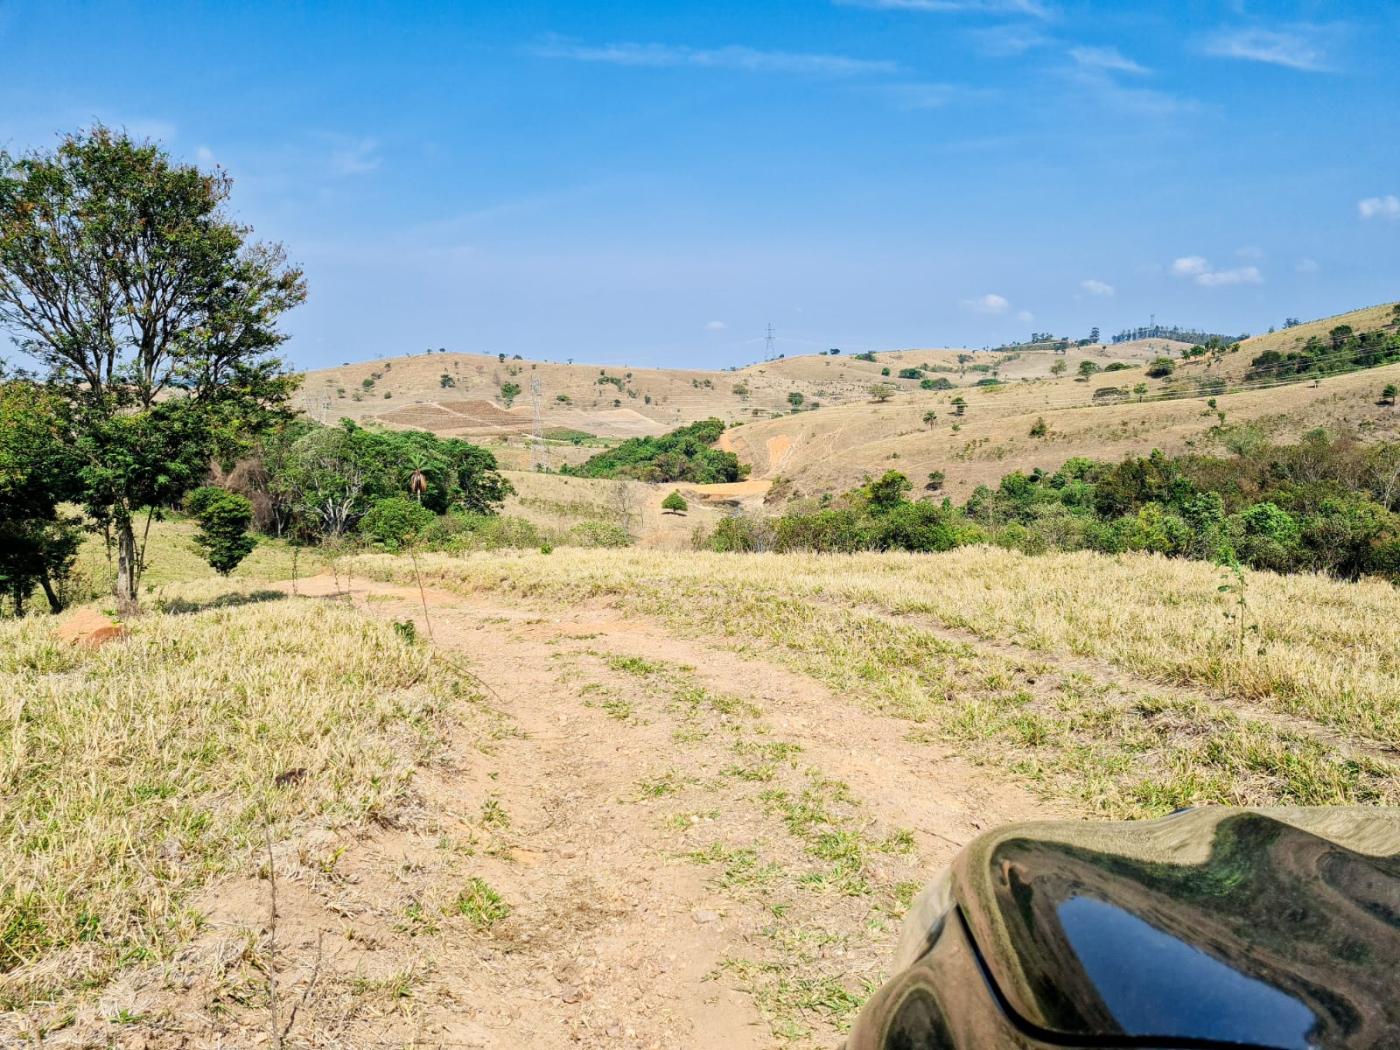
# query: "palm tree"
x,y
418,480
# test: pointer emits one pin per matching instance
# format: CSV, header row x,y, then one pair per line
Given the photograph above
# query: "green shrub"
x,y
223,518
842,530
913,527
465,532
598,534
396,522
675,503
741,534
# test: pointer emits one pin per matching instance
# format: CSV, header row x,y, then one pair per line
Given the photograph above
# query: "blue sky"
x,y
655,182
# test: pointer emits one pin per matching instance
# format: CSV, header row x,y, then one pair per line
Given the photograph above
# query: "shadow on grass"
x,y
182,606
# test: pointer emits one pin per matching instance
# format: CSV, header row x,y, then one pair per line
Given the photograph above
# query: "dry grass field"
x,y
581,796
628,797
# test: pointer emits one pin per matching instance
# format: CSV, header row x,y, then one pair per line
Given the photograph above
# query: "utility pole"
x,y
541,449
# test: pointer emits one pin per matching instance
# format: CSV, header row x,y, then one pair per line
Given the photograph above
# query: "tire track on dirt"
x,y
651,833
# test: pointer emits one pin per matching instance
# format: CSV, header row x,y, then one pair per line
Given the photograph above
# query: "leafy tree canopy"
x,y
150,314
685,454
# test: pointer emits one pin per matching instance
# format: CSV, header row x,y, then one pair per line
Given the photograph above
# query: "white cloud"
x,y
1008,40
1239,275
1199,270
1095,287
748,59
1105,89
1250,251
1025,316
1106,58
1307,266
991,303
1293,50
1387,207
204,156
354,156
1033,8
920,95
715,326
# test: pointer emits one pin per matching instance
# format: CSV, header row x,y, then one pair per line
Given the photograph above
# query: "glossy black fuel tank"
x,y
1212,928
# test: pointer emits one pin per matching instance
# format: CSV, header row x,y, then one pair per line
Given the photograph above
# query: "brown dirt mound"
x,y
89,627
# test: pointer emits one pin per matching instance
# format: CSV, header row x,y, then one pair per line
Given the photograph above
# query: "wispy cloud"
x,y
1199,269
352,156
1103,88
1009,39
1294,48
1096,287
658,56
1239,275
991,303
1387,207
1031,8
1307,266
1109,59
715,326
919,95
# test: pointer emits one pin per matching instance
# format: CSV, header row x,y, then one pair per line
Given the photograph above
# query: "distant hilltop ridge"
x,y
1194,336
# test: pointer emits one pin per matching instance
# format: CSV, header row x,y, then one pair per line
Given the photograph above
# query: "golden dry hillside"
x,y
834,448
466,394
840,432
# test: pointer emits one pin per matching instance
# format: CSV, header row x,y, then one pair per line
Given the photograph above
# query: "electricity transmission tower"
x,y
768,343
541,450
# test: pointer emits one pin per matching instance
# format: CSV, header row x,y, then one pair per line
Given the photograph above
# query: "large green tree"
x,y
333,475
150,313
38,473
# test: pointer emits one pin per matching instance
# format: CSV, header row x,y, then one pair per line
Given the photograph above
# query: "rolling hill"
x,y
464,394
1114,412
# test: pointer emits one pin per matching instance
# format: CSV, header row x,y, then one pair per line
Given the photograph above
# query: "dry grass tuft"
x,y
134,773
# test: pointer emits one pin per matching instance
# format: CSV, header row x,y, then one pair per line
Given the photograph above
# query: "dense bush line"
x,y
1344,350
1325,504
682,455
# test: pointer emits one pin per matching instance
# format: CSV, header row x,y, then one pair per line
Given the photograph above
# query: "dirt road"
x,y
635,840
